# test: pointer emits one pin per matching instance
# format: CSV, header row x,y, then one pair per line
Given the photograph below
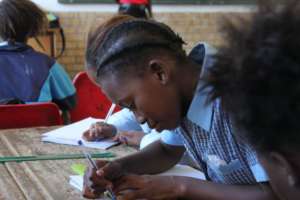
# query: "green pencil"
x,y
53,157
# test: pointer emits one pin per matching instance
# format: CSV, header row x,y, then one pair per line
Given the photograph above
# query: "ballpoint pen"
x,y
110,111
92,162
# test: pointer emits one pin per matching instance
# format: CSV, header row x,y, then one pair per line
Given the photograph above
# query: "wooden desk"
x,y
39,179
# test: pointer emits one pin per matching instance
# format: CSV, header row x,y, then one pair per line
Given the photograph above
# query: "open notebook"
x,y
72,133
178,170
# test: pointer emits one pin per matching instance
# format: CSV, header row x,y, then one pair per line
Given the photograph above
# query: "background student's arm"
x,y
61,87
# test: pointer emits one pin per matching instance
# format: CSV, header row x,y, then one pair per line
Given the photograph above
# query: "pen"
x,y
92,162
94,165
110,111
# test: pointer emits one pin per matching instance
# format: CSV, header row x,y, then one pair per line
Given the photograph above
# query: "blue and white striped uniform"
x,y
207,133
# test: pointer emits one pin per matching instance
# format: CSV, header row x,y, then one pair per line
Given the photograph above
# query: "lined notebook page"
x,y
71,134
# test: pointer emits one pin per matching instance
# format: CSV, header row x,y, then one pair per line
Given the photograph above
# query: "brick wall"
x,y
193,27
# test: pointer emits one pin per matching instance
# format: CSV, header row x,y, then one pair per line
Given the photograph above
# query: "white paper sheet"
x,y
177,170
184,170
76,181
72,133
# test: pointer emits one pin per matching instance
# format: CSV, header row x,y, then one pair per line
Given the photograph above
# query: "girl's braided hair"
x,y
126,38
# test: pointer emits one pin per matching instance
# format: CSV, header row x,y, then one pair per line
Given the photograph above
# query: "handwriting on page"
x,y
71,134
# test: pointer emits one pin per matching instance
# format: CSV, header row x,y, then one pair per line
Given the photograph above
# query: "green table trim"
x,y
53,157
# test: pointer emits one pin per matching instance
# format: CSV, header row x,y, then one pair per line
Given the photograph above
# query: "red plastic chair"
x,y
29,115
91,102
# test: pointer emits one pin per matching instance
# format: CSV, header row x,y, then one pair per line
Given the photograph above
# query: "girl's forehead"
x,y
123,78
118,88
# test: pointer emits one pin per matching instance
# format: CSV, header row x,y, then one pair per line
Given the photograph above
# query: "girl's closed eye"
x,y
131,106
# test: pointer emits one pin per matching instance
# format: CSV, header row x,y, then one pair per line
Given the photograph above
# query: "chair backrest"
x,y
29,115
91,102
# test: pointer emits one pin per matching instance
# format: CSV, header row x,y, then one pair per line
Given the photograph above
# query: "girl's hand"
x,y
132,138
98,131
96,182
150,187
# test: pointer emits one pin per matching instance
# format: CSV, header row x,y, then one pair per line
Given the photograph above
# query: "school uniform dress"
x,y
31,76
208,135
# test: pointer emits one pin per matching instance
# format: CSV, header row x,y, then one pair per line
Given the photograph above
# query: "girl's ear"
x,y
288,167
160,70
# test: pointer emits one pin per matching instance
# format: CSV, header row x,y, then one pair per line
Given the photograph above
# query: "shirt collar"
x,y
3,43
15,46
201,110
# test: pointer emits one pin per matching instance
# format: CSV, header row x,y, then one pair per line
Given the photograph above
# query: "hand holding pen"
x,y
94,165
93,185
96,182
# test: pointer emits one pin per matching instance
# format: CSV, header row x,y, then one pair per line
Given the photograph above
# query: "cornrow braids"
x,y
131,36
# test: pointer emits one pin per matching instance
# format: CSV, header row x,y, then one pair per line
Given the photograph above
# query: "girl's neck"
x,y
188,81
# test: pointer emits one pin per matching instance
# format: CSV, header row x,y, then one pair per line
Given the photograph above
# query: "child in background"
x,y
141,65
257,75
28,75
135,8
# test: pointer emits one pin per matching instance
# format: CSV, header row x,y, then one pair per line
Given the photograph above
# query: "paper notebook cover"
x,y
72,133
178,170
